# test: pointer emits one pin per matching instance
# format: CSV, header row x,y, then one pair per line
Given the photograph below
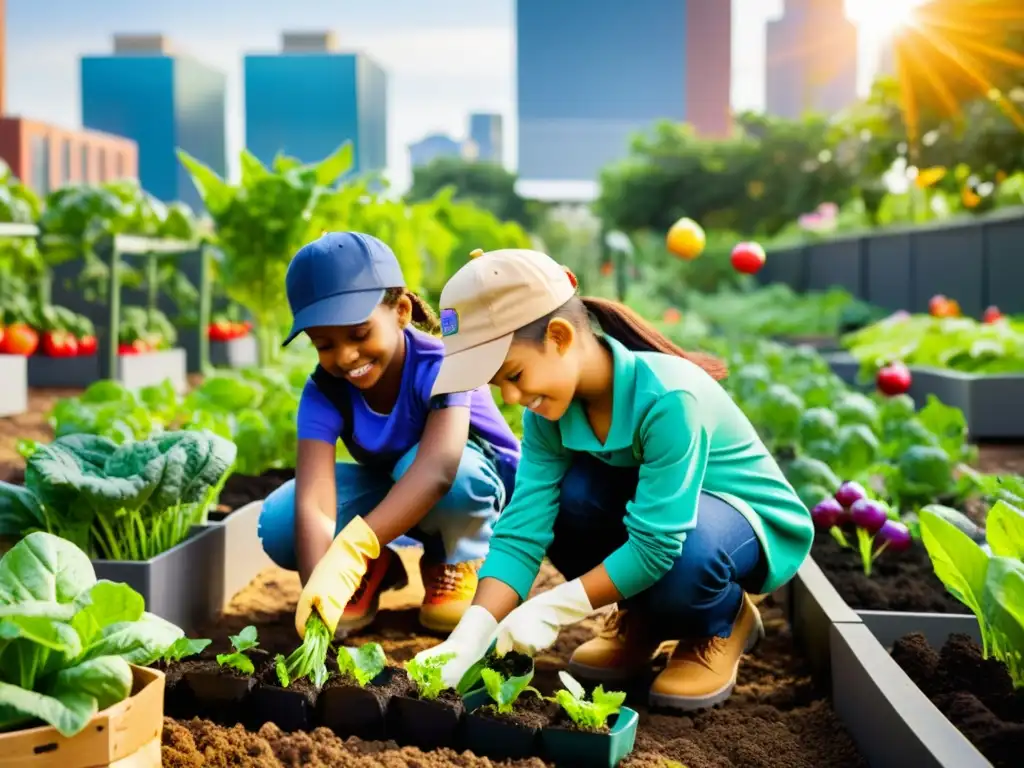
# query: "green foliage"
x,y
505,689
426,675
183,648
362,664
244,641
68,639
127,502
592,714
991,586
309,660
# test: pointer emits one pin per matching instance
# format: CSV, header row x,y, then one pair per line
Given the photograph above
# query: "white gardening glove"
x,y
534,625
469,641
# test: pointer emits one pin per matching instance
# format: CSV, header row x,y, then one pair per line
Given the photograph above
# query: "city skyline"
x,y
443,62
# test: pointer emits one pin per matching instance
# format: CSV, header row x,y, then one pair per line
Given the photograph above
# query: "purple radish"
x,y
826,514
896,534
869,515
849,493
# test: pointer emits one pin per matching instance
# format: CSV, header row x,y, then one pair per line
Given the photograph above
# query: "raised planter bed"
x,y
844,365
151,368
184,585
126,734
819,343
244,556
13,385
60,372
991,404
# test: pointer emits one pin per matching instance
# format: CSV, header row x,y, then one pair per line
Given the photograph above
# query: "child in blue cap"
x,y
437,468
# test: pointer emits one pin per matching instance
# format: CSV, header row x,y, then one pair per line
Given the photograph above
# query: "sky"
x,y
444,58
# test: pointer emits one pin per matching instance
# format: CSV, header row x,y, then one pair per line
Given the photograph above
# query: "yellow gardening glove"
x,y
336,576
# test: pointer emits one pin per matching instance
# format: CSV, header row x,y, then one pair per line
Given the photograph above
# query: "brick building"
x,y
47,157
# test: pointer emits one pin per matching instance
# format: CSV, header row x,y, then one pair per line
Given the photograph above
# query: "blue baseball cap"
x,y
338,280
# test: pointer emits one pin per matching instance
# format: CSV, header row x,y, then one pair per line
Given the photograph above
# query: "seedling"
x,y
309,660
992,586
244,641
183,648
427,675
506,690
588,715
362,664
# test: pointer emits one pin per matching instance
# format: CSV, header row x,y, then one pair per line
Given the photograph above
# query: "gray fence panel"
x,y
835,265
949,261
889,271
787,265
1004,243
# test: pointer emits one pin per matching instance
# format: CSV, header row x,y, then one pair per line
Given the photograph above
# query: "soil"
x,y
267,676
530,711
776,717
976,694
240,490
393,682
902,581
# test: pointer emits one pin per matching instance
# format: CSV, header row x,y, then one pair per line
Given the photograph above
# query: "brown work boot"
x,y
702,672
621,648
382,574
449,591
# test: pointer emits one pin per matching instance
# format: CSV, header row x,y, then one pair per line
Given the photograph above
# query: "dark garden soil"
x,y
530,711
240,490
976,694
902,581
776,717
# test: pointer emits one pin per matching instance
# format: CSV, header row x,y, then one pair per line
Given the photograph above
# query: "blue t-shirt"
x,y
398,431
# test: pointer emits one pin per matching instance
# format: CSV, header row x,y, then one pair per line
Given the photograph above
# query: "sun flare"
x,y
883,18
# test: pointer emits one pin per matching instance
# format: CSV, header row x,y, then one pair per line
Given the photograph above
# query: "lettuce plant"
x,y
592,714
505,689
66,639
362,664
183,648
244,641
309,660
127,502
992,586
426,675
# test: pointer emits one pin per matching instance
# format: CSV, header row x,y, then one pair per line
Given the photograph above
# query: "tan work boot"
x,y
620,650
449,590
702,673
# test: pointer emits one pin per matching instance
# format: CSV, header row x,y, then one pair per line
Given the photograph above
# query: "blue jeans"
x,y
700,596
457,529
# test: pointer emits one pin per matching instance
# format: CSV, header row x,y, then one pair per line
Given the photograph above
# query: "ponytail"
x,y
423,316
622,324
633,332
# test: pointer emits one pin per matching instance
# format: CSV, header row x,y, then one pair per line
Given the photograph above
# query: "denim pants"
x,y
700,596
457,529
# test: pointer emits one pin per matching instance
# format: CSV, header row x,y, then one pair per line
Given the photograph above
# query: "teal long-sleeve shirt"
x,y
684,432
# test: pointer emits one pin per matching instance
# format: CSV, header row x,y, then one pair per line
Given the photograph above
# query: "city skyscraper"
x,y
486,132
810,59
429,148
162,100
592,74
309,98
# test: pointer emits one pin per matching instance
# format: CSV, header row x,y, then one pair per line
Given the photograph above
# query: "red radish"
x,y
849,493
869,514
992,315
896,535
893,379
748,258
826,514
59,344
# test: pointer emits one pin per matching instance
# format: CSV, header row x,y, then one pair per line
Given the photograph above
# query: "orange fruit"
x,y
686,239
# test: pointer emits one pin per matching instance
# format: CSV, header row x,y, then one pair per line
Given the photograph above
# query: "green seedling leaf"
x,y
185,647
1004,531
309,660
589,715
505,691
426,675
244,641
362,664
281,669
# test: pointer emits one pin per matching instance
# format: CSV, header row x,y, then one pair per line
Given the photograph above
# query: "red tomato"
x,y
748,258
19,339
940,306
893,379
137,347
1,337
992,315
219,331
59,344
87,345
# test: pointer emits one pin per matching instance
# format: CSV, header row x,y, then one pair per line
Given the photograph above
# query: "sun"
x,y
883,18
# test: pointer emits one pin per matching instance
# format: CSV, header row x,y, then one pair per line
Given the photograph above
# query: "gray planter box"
x,y
184,585
890,626
892,722
13,385
836,264
845,366
991,404
244,557
813,606
820,344
63,372
151,368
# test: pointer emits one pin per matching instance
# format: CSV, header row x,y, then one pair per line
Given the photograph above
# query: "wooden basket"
x,y
126,735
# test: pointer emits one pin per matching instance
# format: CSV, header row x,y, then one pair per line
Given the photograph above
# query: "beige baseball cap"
x,y
483,304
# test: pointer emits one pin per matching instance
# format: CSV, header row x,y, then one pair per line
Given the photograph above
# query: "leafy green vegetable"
x,y
66,639
127,502
504,689
426,675
362,664
244,641
991,586
592,714
309,660
183,648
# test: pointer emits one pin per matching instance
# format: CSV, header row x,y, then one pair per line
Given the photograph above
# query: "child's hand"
x,y
336,576
534,625
469,642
